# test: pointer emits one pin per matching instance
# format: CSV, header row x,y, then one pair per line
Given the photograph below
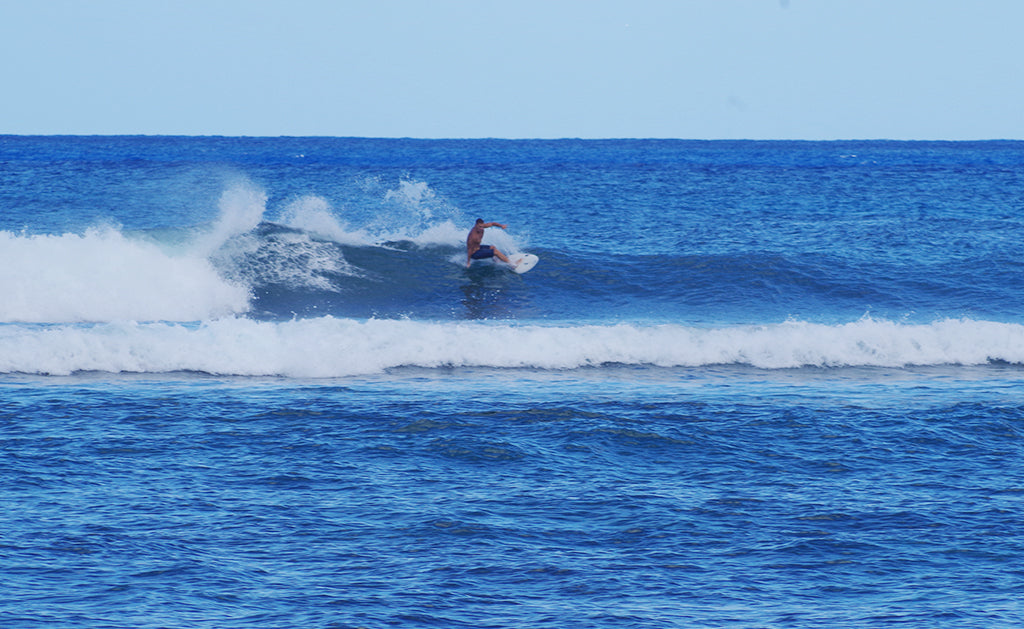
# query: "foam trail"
x,y
409,214
314,215
328,347
414,212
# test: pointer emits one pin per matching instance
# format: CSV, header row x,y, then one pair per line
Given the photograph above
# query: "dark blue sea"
x,y
250,382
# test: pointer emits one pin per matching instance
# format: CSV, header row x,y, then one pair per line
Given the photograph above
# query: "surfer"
x,y
477,251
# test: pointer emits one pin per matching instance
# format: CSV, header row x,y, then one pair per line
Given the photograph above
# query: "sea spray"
x,y
241,208
410,213
314,215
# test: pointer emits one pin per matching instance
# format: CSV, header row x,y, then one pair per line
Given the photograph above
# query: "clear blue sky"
x,y
779,69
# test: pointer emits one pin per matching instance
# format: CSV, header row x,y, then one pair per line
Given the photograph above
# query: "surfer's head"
x,y
479,220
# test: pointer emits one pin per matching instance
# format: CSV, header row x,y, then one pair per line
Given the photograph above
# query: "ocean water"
x,y
249,382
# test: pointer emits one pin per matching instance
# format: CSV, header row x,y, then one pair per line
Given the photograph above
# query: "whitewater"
x,y
327,347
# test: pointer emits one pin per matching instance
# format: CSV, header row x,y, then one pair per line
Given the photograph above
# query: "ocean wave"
x,y
204,272
329,347
399,253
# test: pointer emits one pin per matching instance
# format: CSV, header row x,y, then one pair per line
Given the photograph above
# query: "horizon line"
x,y
496,138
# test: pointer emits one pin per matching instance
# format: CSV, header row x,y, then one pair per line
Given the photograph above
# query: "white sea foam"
x,y
328,347
102,275
105,275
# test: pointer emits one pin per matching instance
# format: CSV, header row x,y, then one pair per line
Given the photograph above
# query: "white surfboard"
x,y
523,262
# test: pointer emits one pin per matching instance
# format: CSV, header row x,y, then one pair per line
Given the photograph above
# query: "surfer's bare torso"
x,y
473,240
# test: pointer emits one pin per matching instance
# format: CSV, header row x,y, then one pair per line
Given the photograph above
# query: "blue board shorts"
x,y
485,251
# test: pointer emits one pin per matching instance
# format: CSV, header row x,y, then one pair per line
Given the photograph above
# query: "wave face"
x,y
333,257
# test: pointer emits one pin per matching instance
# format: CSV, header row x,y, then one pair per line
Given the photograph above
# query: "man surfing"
x,y
476,251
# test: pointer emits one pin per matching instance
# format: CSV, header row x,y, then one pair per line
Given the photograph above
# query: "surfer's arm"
x,y
495,225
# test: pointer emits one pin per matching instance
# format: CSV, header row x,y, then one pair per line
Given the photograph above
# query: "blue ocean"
x,y
250,382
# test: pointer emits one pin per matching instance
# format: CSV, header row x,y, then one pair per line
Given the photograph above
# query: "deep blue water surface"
x,y
249,382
